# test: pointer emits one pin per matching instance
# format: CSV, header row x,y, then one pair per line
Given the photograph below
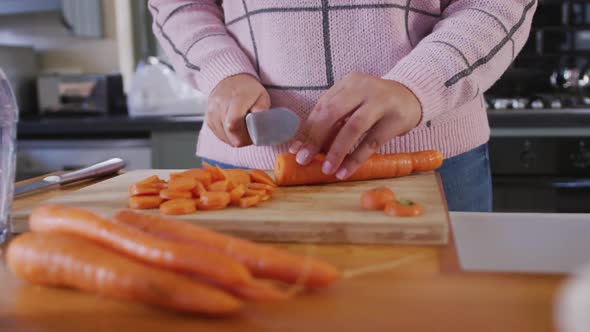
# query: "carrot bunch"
x,y
166,263
207,188
383,198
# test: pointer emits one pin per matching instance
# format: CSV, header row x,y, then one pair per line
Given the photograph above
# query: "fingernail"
x,y
302,156
327,167
341,175
295,147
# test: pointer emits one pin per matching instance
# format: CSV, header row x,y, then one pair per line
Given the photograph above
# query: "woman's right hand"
x,y
229,103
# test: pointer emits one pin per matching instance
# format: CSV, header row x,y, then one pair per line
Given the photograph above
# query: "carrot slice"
x,y
288,172
404,208
246,202
146,189
145,202
199,190
262,186
62,260
237,193
139,245
237,176
151,179
265,198
221,186
171,194
200,175
182,183
264,261
376,198
178,206
255,192
260,176
214,201
216,172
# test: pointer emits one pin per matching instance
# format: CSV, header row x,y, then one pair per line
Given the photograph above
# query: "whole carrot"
x,y
149,249
62,260
288,172
262,260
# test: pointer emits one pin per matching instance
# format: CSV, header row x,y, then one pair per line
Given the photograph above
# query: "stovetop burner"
x,y
538,102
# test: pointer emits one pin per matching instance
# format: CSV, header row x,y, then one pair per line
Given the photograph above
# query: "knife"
x,y
273,127
54,181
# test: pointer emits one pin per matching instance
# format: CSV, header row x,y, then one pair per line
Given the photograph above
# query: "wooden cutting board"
x,y
310,214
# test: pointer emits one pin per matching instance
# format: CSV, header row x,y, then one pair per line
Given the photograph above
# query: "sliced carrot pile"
x,y
207,188
178,206
249,201
214,201
171,194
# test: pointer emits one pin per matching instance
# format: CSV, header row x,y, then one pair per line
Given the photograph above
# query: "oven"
x,y
540,173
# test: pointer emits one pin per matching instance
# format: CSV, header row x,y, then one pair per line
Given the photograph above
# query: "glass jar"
x,y
8,120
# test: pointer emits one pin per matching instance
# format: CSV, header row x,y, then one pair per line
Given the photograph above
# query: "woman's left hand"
x,y
359,105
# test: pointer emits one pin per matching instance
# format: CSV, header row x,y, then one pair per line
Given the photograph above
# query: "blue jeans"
x,y
466,178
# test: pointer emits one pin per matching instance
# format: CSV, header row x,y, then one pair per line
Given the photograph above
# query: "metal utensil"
x,y
54,181
272,127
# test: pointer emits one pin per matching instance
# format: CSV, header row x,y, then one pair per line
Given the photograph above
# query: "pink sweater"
x,y
448,52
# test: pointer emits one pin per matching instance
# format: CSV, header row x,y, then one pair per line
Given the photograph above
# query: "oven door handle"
x,y
574,184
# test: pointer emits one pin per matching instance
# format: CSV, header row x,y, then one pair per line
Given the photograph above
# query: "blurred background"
x,y
92,83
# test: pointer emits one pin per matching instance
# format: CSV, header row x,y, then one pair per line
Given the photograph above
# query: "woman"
x,y
367,76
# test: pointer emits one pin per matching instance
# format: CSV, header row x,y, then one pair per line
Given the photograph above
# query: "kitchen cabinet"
x,y
174,150
82,17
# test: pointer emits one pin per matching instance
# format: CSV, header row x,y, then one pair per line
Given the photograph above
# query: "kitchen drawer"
x,y
36,157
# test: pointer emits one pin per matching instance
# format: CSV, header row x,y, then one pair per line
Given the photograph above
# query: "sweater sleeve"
x,y
193,35
465,54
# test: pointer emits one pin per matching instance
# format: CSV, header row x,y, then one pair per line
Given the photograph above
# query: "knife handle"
x,y
100,169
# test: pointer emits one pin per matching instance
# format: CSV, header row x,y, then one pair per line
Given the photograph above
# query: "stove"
x,y
538,102
540,152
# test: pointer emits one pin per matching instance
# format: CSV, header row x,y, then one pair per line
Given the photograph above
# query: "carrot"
x,y
214,201
266,187
151,179
145,202
237,193
199,190
178,206
200,175
288,172
249,201
237,176
171,194
141,246
404,208
60,260
216,173
265,198
376,198
182,183
255,192
146,189
221,186
263,261
260,176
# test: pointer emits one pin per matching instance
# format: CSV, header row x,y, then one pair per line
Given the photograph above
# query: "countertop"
x,y
101,125
397,288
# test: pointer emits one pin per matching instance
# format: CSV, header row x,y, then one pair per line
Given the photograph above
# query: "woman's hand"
x,y
359,105
229,103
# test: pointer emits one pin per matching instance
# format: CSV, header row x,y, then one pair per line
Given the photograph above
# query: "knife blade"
x,y
273,127
106,167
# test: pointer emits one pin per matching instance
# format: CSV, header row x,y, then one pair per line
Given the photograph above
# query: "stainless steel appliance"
x,y
81,94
